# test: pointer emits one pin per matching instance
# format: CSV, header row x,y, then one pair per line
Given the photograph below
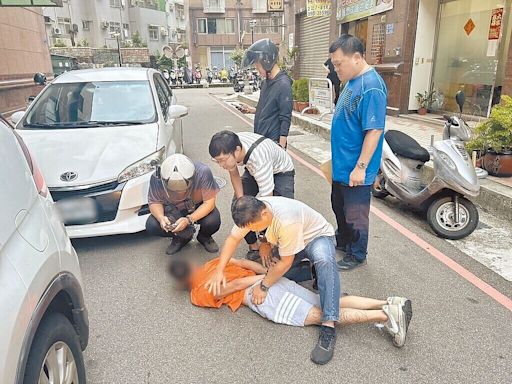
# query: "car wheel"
x,y
55,355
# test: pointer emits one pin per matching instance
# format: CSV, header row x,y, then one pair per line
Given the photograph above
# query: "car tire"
x,y
55,336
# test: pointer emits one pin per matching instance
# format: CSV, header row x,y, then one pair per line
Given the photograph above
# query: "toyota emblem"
x,y
68,176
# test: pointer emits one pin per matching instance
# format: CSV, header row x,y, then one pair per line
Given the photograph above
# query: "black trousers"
x,y
208,225
284,185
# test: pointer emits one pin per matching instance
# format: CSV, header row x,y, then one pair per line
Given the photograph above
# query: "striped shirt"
x,y
267,159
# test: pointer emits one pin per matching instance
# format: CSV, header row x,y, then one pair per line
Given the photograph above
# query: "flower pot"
x,y
298,106
422,111
498,164
313,111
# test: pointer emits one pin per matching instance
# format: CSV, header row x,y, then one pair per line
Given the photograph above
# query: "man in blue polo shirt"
x,y
356,144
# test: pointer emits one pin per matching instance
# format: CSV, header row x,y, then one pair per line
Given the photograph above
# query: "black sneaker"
x,y
349,262
208,243
252,254
176,244
324,349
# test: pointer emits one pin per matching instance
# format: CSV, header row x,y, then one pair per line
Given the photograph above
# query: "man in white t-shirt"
x,y
299,232
269,169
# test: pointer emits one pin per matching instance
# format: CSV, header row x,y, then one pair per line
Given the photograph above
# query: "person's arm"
x,y
249,264
274,273
370,143
236,182
228,250
158,212
202,211
285,115
238,285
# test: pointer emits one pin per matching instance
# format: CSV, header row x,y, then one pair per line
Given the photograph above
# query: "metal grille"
x,y
313,44
378,39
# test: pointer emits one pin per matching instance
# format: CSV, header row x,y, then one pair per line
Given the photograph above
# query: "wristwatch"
x,y
190,221
362,165
263,287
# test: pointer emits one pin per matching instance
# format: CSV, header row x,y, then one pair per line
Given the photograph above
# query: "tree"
x,y
237,56
137,41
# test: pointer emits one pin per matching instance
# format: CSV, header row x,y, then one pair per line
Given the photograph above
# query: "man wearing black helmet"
x,y
274,111
181,193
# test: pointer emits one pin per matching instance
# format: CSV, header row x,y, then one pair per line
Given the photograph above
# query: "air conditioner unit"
x,y
57,31
164,31
104,24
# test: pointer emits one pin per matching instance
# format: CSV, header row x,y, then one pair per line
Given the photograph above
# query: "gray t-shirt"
x,y
293,226
204,187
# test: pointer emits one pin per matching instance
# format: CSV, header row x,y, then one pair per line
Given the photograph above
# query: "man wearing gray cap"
x,y
183,192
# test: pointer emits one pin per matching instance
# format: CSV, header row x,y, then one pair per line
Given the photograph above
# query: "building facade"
x,y
217,27
23,52
416,45
101,23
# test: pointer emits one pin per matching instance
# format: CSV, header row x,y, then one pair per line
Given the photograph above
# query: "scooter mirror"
x,y
460,98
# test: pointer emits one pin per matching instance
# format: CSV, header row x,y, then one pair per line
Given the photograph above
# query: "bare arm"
x,y
278,270
371,140
236,182
238,285
203,210
157,210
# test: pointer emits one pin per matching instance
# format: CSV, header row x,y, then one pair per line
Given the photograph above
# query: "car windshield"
x,y
92,104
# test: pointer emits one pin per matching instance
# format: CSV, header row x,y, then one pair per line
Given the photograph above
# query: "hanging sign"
x,y
469,26
316,8
495,25
275,5
349,10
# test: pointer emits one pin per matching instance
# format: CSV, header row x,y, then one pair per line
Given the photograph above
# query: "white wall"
x,y
423,50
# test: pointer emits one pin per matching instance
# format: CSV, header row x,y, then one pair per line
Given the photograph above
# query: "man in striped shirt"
x,y
269,169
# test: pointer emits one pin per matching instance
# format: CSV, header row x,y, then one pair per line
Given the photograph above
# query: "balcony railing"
x,y
214,6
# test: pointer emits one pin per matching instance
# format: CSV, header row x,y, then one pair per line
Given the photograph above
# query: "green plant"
x,y
85,43
237,56
164,62
496,132
426,99
60,44
300,90
137,41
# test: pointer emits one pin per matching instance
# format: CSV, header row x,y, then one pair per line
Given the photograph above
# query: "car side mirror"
x,y
16,117
177,111
460,98
40,78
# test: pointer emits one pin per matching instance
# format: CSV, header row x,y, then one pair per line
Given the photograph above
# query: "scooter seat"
x,y
405,146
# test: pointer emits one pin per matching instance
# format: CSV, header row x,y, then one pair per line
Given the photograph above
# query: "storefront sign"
x,y
348,10
495,25
275,5
320,93
469,26
317,8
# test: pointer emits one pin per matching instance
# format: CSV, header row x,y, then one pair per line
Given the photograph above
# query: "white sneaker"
x,y
399,317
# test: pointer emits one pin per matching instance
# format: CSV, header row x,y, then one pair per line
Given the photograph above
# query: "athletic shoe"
x,y
176,244
397,322
252,254
403,302
324,349
349,262
208,243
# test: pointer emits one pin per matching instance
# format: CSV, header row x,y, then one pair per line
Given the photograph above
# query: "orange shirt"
x,y
199,294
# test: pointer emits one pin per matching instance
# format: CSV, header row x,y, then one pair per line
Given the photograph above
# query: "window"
x,y
263,25
153,32
230,25
64,25
220,26
114,27
212,26
115,3
378,40
163,93
86,25
201,26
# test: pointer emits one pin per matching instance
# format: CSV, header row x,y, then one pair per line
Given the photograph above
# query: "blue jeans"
x,y
322,253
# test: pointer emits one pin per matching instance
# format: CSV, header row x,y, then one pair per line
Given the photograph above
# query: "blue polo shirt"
x,y
361,107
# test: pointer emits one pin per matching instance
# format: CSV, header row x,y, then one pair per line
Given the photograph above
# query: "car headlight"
x,y
141,167
446,159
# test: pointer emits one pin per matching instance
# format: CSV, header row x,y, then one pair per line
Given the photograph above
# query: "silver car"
x,y
43,320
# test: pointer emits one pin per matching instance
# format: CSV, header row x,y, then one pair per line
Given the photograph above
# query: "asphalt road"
x,y
145,331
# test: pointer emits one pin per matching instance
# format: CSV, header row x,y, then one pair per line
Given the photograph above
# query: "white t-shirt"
x,y
265,161
294,225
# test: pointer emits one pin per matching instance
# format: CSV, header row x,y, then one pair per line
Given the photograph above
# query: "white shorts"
x,y
286,303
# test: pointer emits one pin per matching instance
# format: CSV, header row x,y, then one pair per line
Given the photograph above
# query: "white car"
x,y
43,320
97,135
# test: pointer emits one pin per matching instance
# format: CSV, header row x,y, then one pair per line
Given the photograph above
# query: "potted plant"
x,y
493,139
300,94
425,100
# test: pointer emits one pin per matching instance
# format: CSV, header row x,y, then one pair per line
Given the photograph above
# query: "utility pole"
x,y
253,23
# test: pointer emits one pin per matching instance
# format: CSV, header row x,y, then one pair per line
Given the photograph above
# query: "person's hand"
x,y
214,283
244,108
283,141
180,224
266,254
357,177
165,223
258,295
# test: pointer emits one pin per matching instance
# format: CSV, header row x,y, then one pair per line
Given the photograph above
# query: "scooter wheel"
x,y
441,218
378,189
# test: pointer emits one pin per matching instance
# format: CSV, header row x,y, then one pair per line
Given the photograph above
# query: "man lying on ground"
x,y
286,302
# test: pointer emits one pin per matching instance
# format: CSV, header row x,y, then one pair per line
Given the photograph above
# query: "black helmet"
x,y
263,51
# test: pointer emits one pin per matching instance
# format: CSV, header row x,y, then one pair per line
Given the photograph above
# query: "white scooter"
x,y
449,213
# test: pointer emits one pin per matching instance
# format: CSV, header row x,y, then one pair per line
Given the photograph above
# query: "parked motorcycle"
x,y
216,73
197,74
223,75
256,80
173,77
449,213
180,77
165,74
239,83
209,75
232,75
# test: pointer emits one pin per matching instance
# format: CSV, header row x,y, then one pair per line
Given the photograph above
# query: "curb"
x,y
493,198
